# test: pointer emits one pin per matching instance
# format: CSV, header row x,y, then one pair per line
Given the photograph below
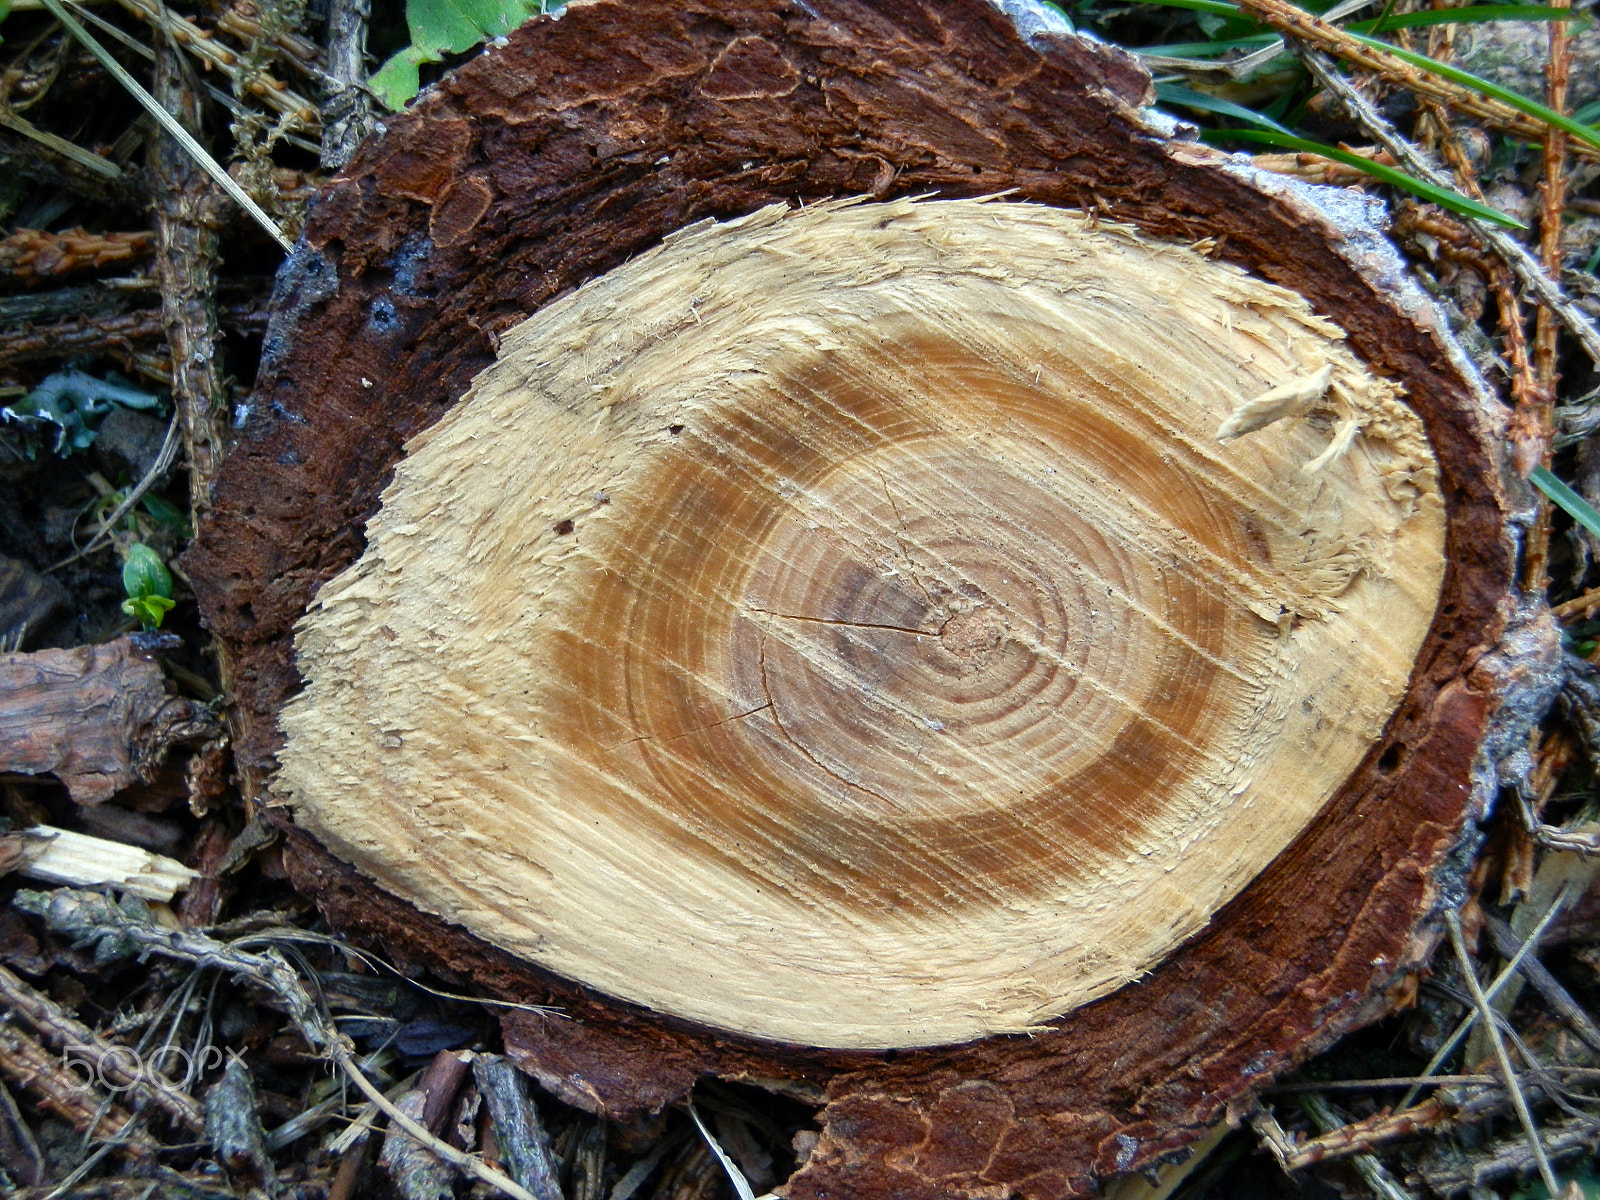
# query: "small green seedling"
x,y
149,586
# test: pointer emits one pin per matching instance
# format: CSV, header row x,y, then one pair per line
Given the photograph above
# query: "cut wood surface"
x,y
857,607
618,706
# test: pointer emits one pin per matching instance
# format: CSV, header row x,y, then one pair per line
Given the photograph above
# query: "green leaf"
x,y
1574,505
451,26
167,514
1444,197
149,610
1173,93
145,575
1214,7
397,81
1209,49
441,27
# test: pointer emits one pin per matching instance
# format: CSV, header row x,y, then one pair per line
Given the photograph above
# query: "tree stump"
x,y
1024,671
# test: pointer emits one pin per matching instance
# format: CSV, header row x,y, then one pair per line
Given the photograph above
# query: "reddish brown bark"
x,y
585,141
98,718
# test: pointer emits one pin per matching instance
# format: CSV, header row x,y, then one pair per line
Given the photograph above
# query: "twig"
x,y
168,122
243,21
1369,1168
1358,1138
1507,973
1579,606
1487,1015
1298,26
23,159
517,1129
187,217
90,162
228,101
347,111
1552,195
214,56
1452,1175
1273,1135
1567,1075
93,916
29,1066
416,1174
233,1127
22,340
1552,837
35,254
1369,1085
1548,985
1486,1097
1522,264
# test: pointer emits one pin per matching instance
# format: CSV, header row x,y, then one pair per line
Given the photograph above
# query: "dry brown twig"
x,y
89,915
1583,606
1553,199
1376,1176
295,111
1298,27
1486,1014
34,254
116,336
1507,973
1522,264
1536,419
34,1069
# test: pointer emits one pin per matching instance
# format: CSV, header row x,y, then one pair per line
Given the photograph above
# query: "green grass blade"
x,y
1574,505
1208,49
1519,102
1215,7
1522,104
1444,197
1174,93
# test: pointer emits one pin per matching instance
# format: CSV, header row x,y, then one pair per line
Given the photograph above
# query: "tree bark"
x,y
584,143
98,718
